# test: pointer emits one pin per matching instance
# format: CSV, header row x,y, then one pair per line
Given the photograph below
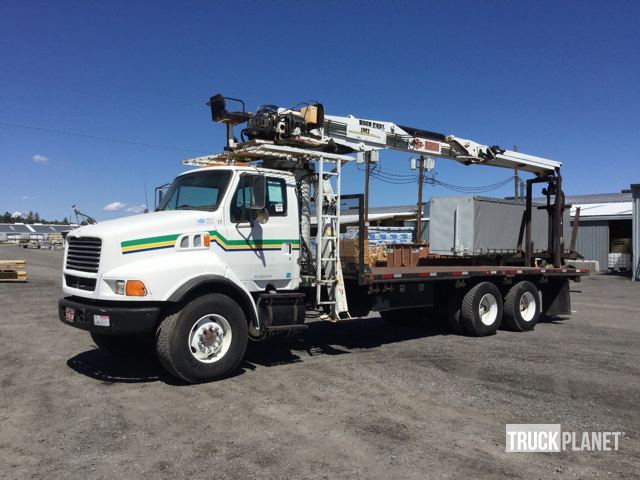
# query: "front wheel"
x,y
205,340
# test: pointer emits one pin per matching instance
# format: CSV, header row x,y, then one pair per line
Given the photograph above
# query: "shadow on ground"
x,y
102,366
322,338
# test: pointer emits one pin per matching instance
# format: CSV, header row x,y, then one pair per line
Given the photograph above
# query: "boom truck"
x,y
230,253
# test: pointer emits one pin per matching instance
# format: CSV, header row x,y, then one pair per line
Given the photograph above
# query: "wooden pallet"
x,y
13,271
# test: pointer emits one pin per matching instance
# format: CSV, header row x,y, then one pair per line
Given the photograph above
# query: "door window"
x,y
276,201
276,197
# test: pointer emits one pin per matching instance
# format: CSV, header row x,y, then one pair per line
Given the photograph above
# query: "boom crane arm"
x,y
362,134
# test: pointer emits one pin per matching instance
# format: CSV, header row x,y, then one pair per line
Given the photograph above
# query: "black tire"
x,y
454,306
173,339
120,345
518,316
404,317
474,323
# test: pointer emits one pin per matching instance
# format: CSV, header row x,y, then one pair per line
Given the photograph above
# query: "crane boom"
x,y
308,127
363,134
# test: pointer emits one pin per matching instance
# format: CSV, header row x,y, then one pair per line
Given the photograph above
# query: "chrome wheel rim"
x,y
210,338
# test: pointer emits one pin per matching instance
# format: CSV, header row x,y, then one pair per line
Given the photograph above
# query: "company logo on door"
x,y
549,437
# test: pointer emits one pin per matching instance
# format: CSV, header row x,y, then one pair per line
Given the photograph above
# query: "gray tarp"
x,y
474,225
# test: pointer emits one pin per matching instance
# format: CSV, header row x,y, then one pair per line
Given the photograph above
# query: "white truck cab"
x,y
223,234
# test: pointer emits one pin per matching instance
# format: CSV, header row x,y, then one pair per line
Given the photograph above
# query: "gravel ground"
x,y
358,399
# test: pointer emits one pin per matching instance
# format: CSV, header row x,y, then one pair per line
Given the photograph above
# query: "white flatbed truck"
x,y
227,255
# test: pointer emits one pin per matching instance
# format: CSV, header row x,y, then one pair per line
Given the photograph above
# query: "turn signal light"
x,y
207,240
135,288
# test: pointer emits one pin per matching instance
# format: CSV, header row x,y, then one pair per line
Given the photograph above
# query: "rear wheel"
x,y
522,307
205,340
481,310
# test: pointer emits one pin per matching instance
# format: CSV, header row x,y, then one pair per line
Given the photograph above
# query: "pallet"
x,y
13,271
10,265
15,276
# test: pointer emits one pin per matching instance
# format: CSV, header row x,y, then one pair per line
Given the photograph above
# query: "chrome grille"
x,y
83,254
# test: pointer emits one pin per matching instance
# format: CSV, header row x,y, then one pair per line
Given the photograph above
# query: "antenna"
x,y
146,201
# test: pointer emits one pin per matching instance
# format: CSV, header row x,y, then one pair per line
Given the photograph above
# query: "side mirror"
x,y
258,192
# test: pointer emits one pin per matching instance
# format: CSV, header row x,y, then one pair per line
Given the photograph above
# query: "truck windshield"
x,y
196,191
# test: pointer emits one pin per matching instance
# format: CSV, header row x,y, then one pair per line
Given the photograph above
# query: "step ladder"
x,y
330,289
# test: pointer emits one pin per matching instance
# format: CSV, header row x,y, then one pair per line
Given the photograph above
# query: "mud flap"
x,y
556,298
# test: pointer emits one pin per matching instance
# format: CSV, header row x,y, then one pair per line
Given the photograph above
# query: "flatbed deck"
x,y
424,273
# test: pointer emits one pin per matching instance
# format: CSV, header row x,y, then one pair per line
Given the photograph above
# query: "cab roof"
x,y
238,168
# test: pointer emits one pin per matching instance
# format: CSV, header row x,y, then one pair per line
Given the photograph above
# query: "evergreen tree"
x,y
36,217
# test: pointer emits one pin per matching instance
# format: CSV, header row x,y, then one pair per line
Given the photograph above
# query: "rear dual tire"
x,y
522,307
481,310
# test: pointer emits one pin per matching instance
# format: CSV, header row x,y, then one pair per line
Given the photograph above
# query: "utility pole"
x,y
367,162
418,238
516,178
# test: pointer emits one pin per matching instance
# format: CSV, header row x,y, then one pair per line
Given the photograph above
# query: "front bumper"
x,y
126,319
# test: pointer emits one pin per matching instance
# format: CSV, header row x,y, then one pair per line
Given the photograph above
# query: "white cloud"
x,y
137,208
115,207
27,197
19,214
40,159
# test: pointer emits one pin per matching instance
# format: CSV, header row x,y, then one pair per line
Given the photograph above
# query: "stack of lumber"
x,y
13,271
373,255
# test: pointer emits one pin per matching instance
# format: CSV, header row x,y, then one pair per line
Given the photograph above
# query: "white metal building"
x,y
14,232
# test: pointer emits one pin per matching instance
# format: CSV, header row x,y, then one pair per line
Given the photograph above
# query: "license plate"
x,y
69,314
101,320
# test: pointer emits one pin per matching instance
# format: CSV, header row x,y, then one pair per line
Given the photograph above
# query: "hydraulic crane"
x,y
292,138
228,254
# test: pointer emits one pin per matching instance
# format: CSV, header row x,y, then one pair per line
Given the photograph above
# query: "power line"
x,y
405,179
97,137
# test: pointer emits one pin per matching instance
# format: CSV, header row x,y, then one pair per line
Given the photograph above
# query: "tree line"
x,y
32,217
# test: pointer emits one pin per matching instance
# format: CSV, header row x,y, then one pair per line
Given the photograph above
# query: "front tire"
x,y
205,340
522,307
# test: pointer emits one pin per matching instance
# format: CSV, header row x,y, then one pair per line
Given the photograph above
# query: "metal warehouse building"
x,y
605,225
14,232
635,193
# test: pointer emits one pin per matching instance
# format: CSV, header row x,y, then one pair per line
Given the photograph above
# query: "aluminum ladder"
x,y
330,289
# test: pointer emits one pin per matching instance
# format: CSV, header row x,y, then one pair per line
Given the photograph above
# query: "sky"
x,y
558,79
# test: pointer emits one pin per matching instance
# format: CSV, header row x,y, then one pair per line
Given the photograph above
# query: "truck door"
x,y
263,254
